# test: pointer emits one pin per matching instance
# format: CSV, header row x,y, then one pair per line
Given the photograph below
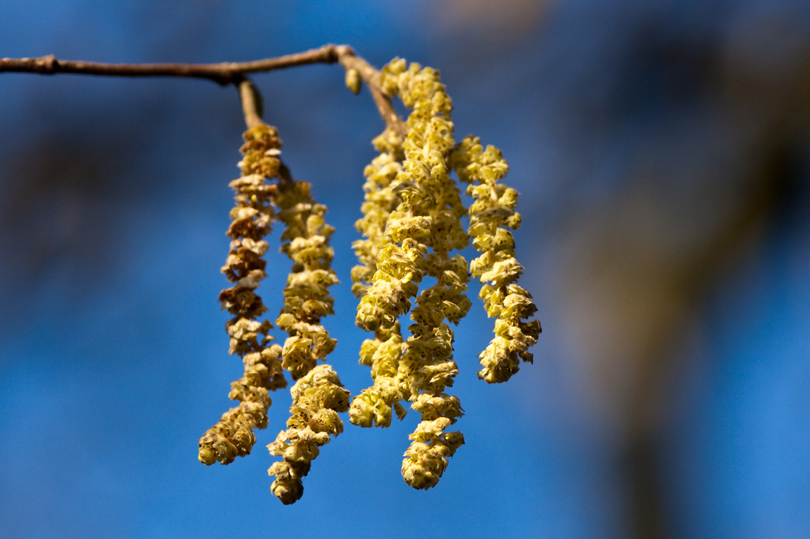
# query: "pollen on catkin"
x,y
373,407
420,232
491,216
251,218
318,394
317,399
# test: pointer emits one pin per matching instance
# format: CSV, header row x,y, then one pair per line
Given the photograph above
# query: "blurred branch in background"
x,y
689,122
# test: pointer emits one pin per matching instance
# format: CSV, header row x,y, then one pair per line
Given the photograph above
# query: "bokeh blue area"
x,y
662,152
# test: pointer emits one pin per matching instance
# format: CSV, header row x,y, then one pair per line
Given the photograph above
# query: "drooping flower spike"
x,y
420,233
251,221
491,216
412,228
318,395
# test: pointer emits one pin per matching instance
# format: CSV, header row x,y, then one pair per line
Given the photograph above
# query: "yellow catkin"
x,y
251,218
380,201
317,399
306,296
373,407
317,395
491,216
419,235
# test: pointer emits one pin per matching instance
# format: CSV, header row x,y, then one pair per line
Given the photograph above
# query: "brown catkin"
x,y
251,220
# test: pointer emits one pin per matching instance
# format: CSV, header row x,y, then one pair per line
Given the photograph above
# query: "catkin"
x,y
491,216
419,234
251,217
373,407
317,395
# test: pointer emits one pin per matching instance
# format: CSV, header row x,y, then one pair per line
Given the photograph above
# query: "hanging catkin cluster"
x,y
419,235
318,394
251,220
411,227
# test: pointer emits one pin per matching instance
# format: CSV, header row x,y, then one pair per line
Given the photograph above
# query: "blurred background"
x,y
662,151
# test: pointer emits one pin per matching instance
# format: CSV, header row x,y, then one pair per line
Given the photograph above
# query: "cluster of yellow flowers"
x,y
411,226
317,394
491,215
412,222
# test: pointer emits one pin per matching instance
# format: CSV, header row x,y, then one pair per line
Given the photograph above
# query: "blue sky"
x,y
113,355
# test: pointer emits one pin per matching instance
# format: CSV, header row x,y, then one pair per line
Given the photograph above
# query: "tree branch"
x,y
224,73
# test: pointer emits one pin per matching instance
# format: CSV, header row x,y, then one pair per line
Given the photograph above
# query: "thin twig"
x,y
251,103
224,73
349,60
